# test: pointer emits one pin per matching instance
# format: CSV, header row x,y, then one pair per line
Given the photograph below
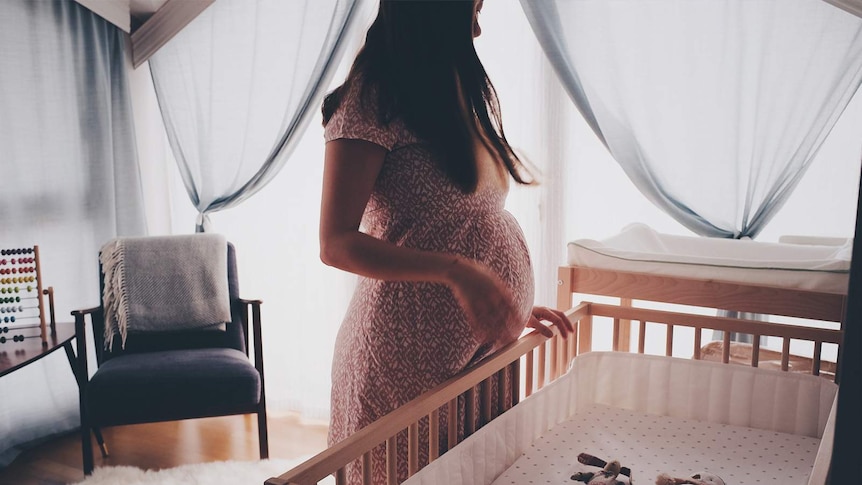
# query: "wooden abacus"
x,y
22,306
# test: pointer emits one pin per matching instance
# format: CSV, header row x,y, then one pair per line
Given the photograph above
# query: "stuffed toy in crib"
x,y
608,474
700,478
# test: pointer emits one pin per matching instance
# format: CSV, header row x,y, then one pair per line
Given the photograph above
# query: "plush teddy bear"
x,y
606,476
699,478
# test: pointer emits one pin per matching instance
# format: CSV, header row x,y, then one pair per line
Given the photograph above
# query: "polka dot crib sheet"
x,y
652,444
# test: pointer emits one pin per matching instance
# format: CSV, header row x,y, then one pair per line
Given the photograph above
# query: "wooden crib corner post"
x,y
584,336
564,289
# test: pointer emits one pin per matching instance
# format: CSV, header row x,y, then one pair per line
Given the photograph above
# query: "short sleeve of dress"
x,y
357,120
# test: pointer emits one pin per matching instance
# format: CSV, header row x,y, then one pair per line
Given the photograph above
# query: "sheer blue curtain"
x,y
237,88
713,108
70,181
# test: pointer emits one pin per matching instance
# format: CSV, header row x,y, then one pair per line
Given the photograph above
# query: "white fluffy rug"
x,y
214,473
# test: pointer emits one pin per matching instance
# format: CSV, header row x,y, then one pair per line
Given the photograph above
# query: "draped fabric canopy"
x,y
713,108
236,89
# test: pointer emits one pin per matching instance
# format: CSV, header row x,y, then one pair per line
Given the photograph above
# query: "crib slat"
x,y
574,339
366,468
391,461
697,343
502,387
668,346
543,356
725,348
625,328
755,351
641,336
485,401
515,383
341,476
555,357
585,334
528,368
564,352
433,435
815,364
564,358
412,449
470,414
785,354
616,337
452,432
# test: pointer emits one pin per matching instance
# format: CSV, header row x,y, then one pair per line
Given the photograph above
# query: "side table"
x,y
14,356
20,354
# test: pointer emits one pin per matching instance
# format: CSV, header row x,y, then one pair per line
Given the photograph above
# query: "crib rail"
x,y
535,360
786,332
476,379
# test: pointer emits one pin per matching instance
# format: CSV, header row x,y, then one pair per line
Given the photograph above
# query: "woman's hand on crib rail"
x,y
555,317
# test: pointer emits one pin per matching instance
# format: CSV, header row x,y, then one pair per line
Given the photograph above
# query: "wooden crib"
x,y
535,360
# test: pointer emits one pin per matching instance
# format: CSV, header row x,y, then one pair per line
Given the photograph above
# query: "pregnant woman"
x,y
417,169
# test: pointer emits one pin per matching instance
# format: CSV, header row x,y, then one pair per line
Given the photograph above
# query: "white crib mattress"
x,y
639,248
638,397
651,444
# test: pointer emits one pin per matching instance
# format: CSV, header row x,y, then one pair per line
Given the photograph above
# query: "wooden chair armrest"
x,y
249,302
85,311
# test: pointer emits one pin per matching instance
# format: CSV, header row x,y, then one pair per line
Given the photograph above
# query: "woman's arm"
x,y
350,171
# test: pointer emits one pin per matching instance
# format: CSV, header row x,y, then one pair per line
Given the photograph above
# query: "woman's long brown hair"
x,y
416,57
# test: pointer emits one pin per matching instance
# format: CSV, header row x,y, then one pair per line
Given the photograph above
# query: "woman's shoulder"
x,y
359,116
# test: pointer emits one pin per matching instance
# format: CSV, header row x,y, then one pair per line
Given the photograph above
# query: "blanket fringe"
x,y
114,297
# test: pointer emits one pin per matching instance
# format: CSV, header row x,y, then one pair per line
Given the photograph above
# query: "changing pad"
x,y
639,248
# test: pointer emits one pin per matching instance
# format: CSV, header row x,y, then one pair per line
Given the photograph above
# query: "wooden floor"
x,y
166,445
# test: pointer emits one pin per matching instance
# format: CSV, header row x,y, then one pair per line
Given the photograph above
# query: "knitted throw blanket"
x,y
164,283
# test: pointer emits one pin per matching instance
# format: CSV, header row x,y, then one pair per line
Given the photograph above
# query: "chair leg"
x,y
101,441
86,448
262,435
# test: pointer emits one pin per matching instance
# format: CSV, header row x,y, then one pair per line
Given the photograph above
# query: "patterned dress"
x,y
399,339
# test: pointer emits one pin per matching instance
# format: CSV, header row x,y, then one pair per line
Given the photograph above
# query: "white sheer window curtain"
x,y
713,108
237,88
70,182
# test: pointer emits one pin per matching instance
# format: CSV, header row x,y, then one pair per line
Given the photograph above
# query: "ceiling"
x,y
149,23
141,10
128,15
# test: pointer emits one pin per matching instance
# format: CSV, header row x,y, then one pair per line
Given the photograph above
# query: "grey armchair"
x,y
186,374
